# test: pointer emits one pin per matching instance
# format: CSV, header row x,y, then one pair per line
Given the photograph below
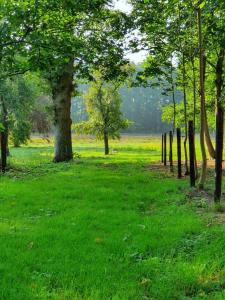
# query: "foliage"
x,y
141,105
90,33
103,104
169,33
20,96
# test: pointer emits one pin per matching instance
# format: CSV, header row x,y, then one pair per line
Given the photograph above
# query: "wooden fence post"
x,y
179,167
165,162
191,152
162,148
171,151
219,153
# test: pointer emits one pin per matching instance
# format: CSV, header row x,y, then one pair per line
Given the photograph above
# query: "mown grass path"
x,y
104,228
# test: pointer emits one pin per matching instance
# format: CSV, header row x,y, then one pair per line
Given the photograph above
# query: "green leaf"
x,y
201,5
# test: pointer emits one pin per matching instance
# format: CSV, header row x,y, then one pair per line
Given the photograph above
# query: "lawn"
x,y
102,228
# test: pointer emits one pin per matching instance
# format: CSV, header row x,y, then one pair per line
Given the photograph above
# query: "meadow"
x,y
97,228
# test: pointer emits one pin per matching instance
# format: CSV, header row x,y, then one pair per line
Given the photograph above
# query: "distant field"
x,y
99,228
150,144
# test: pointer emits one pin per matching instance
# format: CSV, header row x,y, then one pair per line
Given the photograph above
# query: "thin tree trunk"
x,y
202,102
106,142
219,153
208,140
3,152
185,118
194,113
173,98
6,125
62,93
219,127
165,150
179,167
171,151
4,137
191,152
7,143
174,111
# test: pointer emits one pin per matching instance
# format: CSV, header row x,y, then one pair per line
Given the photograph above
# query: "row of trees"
x,y
185,40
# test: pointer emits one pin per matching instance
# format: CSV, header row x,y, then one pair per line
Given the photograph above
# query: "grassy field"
x,y
100,228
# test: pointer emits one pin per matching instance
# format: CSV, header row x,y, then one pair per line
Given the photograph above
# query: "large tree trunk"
x,y
62,93
202,102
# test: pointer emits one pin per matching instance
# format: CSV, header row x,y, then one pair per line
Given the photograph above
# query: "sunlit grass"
x,y
102,228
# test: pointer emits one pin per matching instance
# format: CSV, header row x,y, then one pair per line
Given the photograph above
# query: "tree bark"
x,y
4,136
219,127
173,98
171,151
191,152
185,118
62,93
194,113
106,142
202,103
165,150
219,153
179,167
208,140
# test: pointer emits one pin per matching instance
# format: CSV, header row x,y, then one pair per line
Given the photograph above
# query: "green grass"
x,y
105,228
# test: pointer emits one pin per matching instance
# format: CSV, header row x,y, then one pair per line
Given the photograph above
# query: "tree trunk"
x,y
208,140
3,152
7,143
106,143
62,93
219,127
194,113
219,153
173,98
179,167
4,136
171,151
165,150
202,102
185,118
191,152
